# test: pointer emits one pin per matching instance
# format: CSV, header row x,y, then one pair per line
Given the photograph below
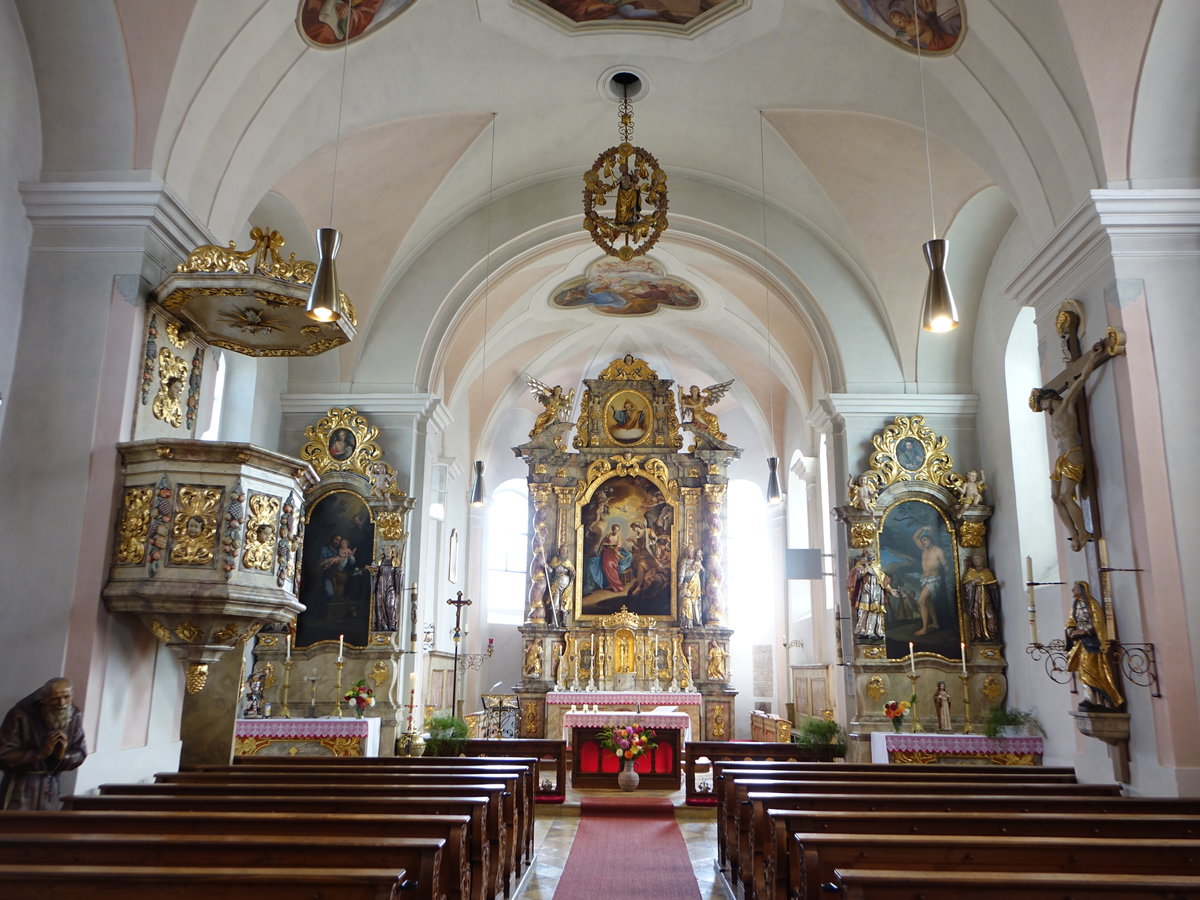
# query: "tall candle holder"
x,y
916,721
337,705
287,685
965,678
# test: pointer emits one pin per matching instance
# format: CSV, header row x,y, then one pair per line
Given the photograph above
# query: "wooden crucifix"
x,y
458,605
1071,478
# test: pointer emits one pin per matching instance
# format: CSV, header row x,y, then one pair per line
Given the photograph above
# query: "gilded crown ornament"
x,y
638,187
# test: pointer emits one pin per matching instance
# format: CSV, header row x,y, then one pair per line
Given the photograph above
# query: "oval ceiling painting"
x,y
673,12
613,287
332,23
939,25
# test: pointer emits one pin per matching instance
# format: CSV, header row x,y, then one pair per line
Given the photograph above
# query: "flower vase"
x,y
627,778
358,711
898,724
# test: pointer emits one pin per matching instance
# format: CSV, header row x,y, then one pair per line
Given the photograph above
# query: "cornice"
x,y
1109,224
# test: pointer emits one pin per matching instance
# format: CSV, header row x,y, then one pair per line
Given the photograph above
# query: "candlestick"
x,y
967,729
337,701
341,647
287,685
912,660
1033,637
916,722
963,650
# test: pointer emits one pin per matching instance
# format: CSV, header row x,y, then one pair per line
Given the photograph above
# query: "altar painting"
x,y
627,555
918,556
335,583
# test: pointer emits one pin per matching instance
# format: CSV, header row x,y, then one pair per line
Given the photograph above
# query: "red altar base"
x,y
594,767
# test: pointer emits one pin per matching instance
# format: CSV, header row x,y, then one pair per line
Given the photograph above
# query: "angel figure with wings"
x,y
695,405
557,404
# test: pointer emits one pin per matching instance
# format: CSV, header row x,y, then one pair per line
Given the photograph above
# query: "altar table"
x,y
955,749
594,767
307,737
558,702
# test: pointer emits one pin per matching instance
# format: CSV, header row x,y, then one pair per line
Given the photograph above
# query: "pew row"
x,y
870,884
815,858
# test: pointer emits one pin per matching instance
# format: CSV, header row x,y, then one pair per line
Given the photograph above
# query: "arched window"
x,y
750,561
507,552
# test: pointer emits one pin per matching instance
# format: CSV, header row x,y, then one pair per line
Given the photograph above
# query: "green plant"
x,y
814,732
447,736
1001,716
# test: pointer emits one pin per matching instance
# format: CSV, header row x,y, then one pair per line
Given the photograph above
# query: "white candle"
x,y
341,646
912,659
963,648
289,646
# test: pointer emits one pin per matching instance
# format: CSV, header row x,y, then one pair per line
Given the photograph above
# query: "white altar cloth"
x,y
885,742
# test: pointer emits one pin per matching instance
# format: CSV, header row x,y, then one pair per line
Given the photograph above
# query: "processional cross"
x,y
458,605
1072,478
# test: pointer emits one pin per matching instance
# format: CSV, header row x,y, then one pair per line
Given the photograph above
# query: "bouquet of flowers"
x,y
627,741
361,696
897,709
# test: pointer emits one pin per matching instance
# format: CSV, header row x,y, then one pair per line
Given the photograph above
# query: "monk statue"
x,y
42,737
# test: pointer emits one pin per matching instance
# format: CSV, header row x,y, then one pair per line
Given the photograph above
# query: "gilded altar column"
x,y
714,554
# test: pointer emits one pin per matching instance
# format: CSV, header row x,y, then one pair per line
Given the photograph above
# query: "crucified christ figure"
x,y
1066,488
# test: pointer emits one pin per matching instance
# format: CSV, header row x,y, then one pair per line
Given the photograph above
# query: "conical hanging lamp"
x,y
325,299
478,492
938,312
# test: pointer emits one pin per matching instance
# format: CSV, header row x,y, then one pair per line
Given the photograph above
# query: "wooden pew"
x,y
814,858
839,771
519,780
501,829
743,823
749,751
479,809
342,830
869,884
335,766
421,858
929,801
26,882
541,748
779,866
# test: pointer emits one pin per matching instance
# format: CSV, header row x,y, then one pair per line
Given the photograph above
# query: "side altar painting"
x,y
626,589
922,601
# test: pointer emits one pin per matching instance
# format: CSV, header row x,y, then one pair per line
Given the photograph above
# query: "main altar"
x,y
626,600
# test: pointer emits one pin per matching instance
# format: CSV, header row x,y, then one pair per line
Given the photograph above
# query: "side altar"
x,y
626,590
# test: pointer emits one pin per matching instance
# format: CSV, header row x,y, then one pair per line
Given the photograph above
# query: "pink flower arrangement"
x,y
361,695
895,709
627,741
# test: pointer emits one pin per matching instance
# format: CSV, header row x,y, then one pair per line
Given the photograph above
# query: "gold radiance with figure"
x,y
633,177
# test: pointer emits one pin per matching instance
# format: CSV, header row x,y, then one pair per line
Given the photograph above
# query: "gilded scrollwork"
x,y
195,530
187,631
862,534
909,450
876,688
134,526
231,531
628,368
391,526
992,689
260,532
342,441
160,631
970,534
172,379
380,672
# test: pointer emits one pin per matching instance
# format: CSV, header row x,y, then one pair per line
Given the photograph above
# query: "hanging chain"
x,y
625,112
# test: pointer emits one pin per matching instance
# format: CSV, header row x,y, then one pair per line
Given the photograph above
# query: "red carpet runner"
x,y
628,847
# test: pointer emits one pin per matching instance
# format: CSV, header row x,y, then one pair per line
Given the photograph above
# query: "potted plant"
x,y
447,736
1005,722
823,736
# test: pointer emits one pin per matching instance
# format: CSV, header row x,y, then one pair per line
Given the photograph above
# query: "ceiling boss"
x,y
638,187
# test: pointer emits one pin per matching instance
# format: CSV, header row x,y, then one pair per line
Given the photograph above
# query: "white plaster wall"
x,y
20,159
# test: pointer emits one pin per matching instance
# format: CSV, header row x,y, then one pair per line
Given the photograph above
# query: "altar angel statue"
x,y
557,404
695,404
